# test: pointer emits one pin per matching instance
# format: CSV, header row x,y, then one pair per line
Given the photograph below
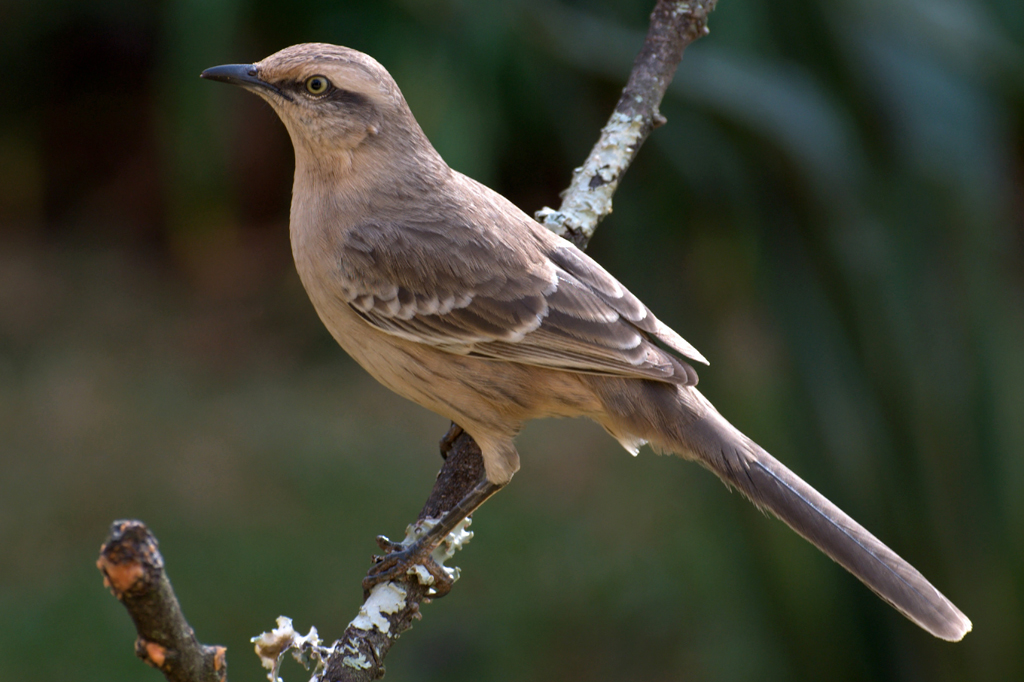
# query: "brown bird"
x,y
451,296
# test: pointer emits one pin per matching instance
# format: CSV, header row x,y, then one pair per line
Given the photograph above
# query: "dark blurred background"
x,y
833,215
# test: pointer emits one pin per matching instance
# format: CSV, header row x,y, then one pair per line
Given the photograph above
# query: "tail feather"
x,y
681,420
771,486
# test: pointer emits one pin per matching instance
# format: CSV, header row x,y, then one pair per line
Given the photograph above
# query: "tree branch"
x,y
134,571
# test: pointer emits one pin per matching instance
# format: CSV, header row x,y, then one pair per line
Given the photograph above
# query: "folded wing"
x,y
541,302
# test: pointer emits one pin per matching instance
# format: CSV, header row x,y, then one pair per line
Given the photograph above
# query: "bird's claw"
x,y
388,545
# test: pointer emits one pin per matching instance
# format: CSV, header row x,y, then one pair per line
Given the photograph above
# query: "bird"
x,y
452,297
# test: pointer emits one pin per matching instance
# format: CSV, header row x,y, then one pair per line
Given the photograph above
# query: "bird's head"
x,y
331,99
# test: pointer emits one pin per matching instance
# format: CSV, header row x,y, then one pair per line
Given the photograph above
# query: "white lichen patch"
x,y
681,8
423,576
385,598
271,647
589,197
354,658
452,543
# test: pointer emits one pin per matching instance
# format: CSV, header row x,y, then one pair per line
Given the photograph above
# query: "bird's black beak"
x,y
245,75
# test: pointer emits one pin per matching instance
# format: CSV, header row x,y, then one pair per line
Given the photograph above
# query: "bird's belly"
x,y
466,389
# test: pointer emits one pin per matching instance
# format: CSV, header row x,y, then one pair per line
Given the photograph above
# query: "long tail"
x,y
702,434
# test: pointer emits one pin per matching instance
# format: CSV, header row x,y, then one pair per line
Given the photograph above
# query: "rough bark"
x,y
134,571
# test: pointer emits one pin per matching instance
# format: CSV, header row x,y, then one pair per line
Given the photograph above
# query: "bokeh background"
x,y
833,215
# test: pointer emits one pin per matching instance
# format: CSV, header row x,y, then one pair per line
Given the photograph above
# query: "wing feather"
x,y
470,291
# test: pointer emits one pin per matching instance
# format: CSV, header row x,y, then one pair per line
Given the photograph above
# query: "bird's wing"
x,y
469,291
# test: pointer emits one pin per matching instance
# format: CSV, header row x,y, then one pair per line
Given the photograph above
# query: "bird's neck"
x,y
368,177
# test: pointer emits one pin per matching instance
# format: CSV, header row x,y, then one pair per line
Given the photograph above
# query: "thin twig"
x,y
674,25
134,571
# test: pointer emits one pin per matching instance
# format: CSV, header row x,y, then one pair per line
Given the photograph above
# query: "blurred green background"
x,y
834,215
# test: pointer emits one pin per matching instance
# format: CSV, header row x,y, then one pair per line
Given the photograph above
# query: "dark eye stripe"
x,y
335,94
348,97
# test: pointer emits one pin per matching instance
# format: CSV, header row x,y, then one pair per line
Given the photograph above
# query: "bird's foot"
x,y
428,544
402,559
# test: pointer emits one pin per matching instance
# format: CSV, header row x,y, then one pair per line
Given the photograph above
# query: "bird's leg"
x,y
448,440
402,557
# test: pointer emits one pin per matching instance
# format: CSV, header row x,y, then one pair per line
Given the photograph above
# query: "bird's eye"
x,y
317,85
